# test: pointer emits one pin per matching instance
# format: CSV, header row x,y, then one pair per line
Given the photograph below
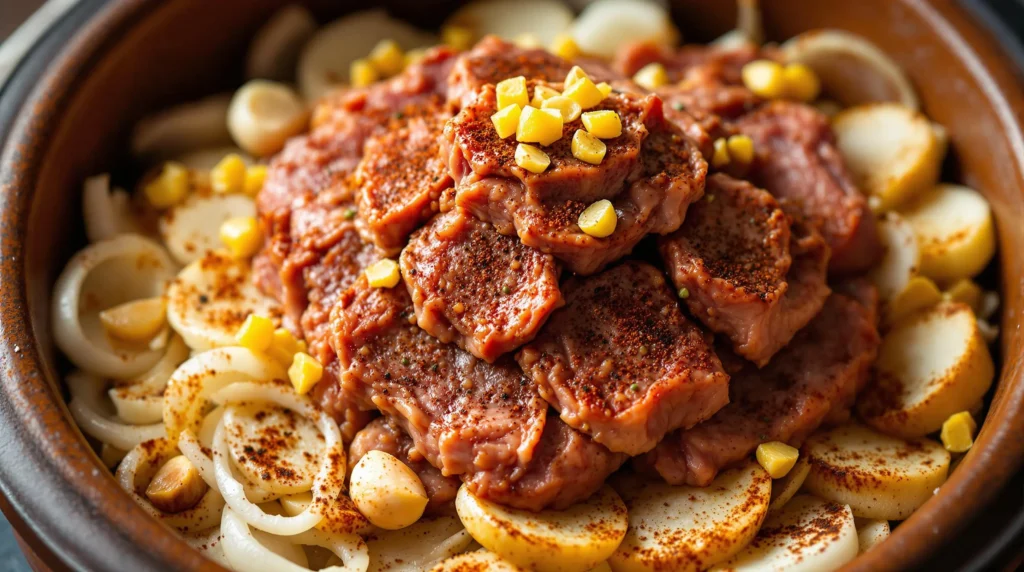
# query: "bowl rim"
x,y
44,450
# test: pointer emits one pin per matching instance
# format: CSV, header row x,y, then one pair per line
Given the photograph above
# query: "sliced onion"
x,y
209,543
142,401
107,213
274,51
195,125
245,552
87,408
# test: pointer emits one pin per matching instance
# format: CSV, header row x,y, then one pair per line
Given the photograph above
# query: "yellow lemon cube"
x,y
584,92
254,178
542,126
241,235
531,158
588,148
720,156
457,37
575,74
169,188
604,88
957,433
741,149
387,58
569,109
135,321
777,458
256,333
565,47
304,373
506,121
651,76
383,274
765,78
604,124
283,346
228,176
599,219
512,91
361,73
801,82
543,93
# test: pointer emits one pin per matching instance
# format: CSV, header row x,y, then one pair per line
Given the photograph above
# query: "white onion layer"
x,y
87,408
244,552
107,213
141,401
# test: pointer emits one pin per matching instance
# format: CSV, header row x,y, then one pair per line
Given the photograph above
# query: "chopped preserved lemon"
x,y
241,235
228,176
599,219
801,82
575,74
967,291
542,126
169,188
457,37
531,158
506,121
565,47
304,372
651,76
569,109
135,321
414,56
512,91
383,274
604,88
764,78
543,93
526,41
604,124
256,333
284,346
720,157
254,177
584,92
777,458
361,73
387,58
588,148
958,432
741,149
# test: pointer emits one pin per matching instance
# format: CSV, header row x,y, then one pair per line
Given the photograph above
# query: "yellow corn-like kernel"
x,y
565,47
414,56
777,458
387,58
966,291
170,186
569,109
651,76
584,92
764,78
383,274
575,74
541,94
801,82
588,148
512,91
361,73
241,235
256,333
457,37
720,157
284,346
305,372
599,219
531,158
604,124
228,176
254,177
958,432
542,126
506,121
526,41
604,88
741,149
136,321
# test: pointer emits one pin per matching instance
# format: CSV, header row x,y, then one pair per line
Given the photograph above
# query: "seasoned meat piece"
x,y
345,408
622,363
401,178
487,292
736,259
651,173
383,434
797,161
812,380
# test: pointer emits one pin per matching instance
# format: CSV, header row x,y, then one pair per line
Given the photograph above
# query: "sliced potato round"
x,y
605,26
692,528
851,69
809,534
955,232
785,488
919,294
211,298
573,539
878,476
902,257
870,532
417,547
542,19
191,228
479,561
930,366
264,114
184,128
275,48
892,151
342,517
273,446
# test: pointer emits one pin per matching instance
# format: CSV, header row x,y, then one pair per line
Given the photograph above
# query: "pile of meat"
x,y
530,360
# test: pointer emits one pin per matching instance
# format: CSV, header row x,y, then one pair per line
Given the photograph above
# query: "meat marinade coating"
x,y
746,275
486,292
811,381
621,362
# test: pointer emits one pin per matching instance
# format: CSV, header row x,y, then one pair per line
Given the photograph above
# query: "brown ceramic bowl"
x,y
134,56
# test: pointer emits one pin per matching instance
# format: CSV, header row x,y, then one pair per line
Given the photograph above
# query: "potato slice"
x,y
955,231
573,539
417,547
190,126
878,476
929,367
541,19
191,228
691,528
785,488
274,447
851,69
809,534
902,257
479,561
870,532
892,151
605,26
